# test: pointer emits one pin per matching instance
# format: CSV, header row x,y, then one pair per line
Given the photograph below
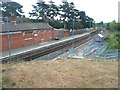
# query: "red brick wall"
x,y
56,33
27,39
15,41
4,43
48,35
20,40
66,34
42,36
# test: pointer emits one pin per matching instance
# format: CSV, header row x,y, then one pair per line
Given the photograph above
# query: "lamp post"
x,y
73,30
7,25
8,32
74,27
73,34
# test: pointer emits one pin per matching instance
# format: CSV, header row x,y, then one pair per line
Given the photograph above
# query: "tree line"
x,y
66,13
113,30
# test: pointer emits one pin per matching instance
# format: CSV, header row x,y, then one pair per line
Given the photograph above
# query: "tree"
x,y
118,27
67,12
113,35
53,10
56,24
83,18
113,26
12,9
100,24
40,10
89,21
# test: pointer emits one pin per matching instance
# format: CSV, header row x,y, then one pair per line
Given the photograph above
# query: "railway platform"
x,y
38,46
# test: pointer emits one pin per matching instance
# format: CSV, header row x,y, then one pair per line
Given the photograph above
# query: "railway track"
x,y
31,55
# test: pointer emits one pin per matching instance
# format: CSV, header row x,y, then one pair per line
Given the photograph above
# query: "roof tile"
x,y
25,26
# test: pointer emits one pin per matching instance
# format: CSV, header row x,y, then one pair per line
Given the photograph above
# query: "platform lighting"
x,y
73,27
73,30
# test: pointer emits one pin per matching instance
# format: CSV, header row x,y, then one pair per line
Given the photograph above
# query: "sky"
x,y
99,10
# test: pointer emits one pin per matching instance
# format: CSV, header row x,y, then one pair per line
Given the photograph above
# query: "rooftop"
x,y
25,26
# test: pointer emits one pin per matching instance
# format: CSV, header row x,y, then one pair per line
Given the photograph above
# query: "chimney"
x,y
13,20
46,20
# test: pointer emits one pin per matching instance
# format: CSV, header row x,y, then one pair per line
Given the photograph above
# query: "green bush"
x,y
56,24
112,40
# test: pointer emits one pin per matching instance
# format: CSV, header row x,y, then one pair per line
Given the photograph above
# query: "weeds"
x,y
112,40
5,80
13,83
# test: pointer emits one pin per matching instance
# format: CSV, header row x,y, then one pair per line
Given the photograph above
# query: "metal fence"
x,y
109,54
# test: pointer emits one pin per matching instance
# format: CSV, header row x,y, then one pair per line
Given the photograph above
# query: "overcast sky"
x,y
99,10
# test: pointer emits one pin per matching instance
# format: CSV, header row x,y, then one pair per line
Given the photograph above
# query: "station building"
x,y
25,34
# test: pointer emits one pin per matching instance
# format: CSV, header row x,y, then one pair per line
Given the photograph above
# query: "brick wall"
x,y
66,34
4,43
16,41
56,33
26,39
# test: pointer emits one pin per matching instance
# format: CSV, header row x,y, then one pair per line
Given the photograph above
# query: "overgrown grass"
x,y
13,83
55,74
113,40
5,80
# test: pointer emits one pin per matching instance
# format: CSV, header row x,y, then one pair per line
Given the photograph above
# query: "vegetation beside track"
x,y
113,30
